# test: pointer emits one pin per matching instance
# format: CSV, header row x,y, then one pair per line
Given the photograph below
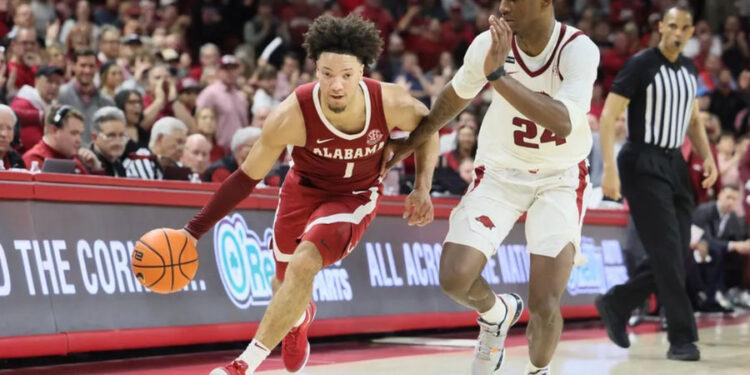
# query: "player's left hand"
x,y
418,207
501,38
710,174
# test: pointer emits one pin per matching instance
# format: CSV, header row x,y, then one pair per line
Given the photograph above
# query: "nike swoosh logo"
x,y
321,141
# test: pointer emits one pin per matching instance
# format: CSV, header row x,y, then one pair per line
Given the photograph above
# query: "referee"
x,y
658,86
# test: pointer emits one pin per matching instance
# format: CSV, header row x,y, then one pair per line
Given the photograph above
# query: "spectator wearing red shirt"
x,y
62,140
242,141
160,93
373,10
614,59
25,59
427,45
209,59
31,102
695,164
9,158
205,121
456,29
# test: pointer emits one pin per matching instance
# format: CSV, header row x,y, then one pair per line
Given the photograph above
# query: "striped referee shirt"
x,y
142,164
662,95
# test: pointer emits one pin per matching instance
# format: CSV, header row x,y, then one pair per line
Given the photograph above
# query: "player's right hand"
x,y
394,151
189,236
611,184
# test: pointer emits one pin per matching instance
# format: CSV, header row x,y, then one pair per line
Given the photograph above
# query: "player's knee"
x,y
456,279
305,264
544,308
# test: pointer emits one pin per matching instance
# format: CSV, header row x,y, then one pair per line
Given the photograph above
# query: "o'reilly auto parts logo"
x,y
244,261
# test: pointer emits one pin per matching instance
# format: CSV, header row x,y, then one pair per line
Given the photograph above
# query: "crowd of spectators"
x,y
180,89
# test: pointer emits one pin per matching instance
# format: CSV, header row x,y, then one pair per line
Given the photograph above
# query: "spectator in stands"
x,y
456,31
161,92
708,78
287,77
24,59
412,78
696,45
734,46
83,19
728,159
109,14
209,59
187,96
109,44
81,93
602,31
9,158
242,141
205,121
259,118
726,102
79,38
110,75
466,147
197,154
266,86
723,233
44,15
264,28
55,56
373,10
109,139
166,145
227,102
31,103
23,16
390,64
62,140
614,59
596,163
130,103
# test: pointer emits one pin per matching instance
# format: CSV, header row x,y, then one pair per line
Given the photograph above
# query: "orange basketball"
x,y
164,260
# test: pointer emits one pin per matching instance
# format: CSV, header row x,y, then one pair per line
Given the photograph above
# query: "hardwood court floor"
x,y
584,350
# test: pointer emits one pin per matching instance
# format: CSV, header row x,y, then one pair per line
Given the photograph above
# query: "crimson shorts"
x,y
334,222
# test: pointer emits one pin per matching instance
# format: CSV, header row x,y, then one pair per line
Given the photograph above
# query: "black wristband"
x,y
500,72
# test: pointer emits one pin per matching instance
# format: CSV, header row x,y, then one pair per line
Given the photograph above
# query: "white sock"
x,y
532,370
496,313
254,355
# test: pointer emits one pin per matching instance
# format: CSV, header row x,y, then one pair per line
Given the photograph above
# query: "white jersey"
x,y
565,70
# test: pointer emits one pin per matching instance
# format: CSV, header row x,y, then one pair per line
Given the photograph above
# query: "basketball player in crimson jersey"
x,y
531,156
338,127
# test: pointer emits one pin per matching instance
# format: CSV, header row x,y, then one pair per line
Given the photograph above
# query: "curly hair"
x,y
350,36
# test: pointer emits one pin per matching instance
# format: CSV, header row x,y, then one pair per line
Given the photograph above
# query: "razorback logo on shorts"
x,y
486,221
374,136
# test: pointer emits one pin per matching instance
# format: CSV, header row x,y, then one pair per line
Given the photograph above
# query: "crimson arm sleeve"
x,y
231,192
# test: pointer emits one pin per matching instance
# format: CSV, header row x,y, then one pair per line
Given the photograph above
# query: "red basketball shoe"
x,y
295,350
237,367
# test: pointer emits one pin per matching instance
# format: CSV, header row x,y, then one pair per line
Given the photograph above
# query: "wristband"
x,y
500,72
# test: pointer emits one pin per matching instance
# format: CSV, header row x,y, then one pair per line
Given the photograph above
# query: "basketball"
x,y
164,260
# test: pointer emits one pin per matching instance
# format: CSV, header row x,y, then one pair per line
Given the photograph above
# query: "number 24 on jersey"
x,y
525,136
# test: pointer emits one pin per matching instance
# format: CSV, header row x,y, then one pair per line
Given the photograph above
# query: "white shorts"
x,y
554,202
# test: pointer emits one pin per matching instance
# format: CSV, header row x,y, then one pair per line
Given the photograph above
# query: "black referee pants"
x,y
657,186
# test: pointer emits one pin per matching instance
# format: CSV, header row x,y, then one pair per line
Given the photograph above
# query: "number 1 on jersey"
x,y
349,170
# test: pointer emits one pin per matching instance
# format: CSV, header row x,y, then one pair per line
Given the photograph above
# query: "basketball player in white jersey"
x,y
533,144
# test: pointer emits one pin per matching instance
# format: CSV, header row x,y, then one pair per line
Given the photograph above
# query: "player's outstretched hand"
x,y
710,174
189,236
394,151
500,48
418,207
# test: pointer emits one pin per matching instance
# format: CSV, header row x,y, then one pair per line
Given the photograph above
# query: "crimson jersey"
x,y
336,161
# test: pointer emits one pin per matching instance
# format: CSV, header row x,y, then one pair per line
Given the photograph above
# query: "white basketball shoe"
x,y
489,352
